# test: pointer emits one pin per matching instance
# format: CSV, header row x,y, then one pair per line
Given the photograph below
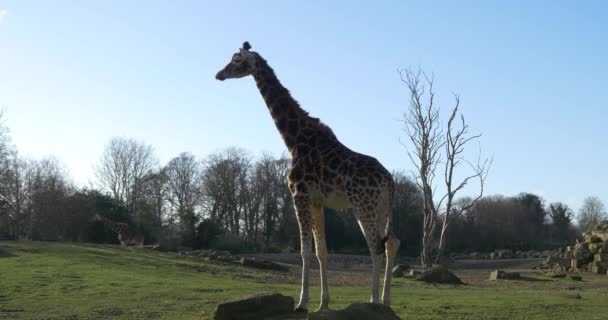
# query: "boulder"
x,y
438,274
582,254
556,275
599,267
356,311
504,254
595,247
257,307
413,273
502,275
262,264
602,234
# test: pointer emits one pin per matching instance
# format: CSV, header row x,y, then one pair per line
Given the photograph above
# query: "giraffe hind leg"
x,y
371,232
391,248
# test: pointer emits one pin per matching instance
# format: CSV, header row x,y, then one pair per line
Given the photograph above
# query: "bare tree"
x,y
224,182
422,127
456,139
155,193
184,184
591,213
122,168
431,147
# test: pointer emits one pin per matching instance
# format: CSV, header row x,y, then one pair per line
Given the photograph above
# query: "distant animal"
x,y
126,235
324,173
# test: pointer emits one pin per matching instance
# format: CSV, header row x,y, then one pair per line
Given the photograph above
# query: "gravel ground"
x,y
354,270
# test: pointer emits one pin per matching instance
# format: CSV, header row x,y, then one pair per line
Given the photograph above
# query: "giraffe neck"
x,y
294,124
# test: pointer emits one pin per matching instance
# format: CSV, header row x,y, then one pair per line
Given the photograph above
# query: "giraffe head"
x,y
241,65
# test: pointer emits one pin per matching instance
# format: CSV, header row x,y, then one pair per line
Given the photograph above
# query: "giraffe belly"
x,y
337,200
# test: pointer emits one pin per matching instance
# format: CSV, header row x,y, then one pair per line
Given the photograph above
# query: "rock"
x,y
262,264
504,254
413,273
556,275
576,278
582,253
599,267
602,226
502,275
438,274
595,247
399,270
257,307
356,311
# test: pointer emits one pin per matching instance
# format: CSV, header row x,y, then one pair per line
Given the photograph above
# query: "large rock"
x,y
556,275
257,307
582,254
262,264
504,254
502,275
356,311
413,273
438,274
599,267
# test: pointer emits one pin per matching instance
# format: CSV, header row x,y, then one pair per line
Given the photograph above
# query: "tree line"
x,y
233,200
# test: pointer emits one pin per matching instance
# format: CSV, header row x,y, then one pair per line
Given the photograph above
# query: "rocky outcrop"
x,y
438,274
503,275
591,252
262,264
257,307
227,257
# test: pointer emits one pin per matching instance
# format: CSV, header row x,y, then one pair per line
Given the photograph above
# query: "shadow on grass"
x,y
532,279
6,254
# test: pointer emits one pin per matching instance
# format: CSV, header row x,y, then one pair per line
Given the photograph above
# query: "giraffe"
x,y
324,173
124,233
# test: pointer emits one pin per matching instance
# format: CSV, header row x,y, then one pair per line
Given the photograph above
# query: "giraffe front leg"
x,y
376,264
303,215
321,250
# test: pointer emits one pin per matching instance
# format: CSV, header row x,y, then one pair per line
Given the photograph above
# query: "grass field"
x,y
55,281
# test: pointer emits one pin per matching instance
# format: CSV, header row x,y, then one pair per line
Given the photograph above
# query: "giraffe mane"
x,y
322,126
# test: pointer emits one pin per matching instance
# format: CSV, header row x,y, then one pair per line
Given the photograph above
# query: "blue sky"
x,y
531,77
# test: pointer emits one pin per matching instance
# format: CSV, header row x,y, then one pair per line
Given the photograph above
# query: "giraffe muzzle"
x,y
220,76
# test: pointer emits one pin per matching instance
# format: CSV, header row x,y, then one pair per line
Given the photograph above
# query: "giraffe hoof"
x,y
301,310
322,307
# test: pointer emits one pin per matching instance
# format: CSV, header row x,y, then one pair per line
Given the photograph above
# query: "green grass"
x,y
75,281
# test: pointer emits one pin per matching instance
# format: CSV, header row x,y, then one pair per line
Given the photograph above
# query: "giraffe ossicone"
x,y
324,174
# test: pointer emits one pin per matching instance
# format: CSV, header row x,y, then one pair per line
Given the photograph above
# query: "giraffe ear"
x,y
246,45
